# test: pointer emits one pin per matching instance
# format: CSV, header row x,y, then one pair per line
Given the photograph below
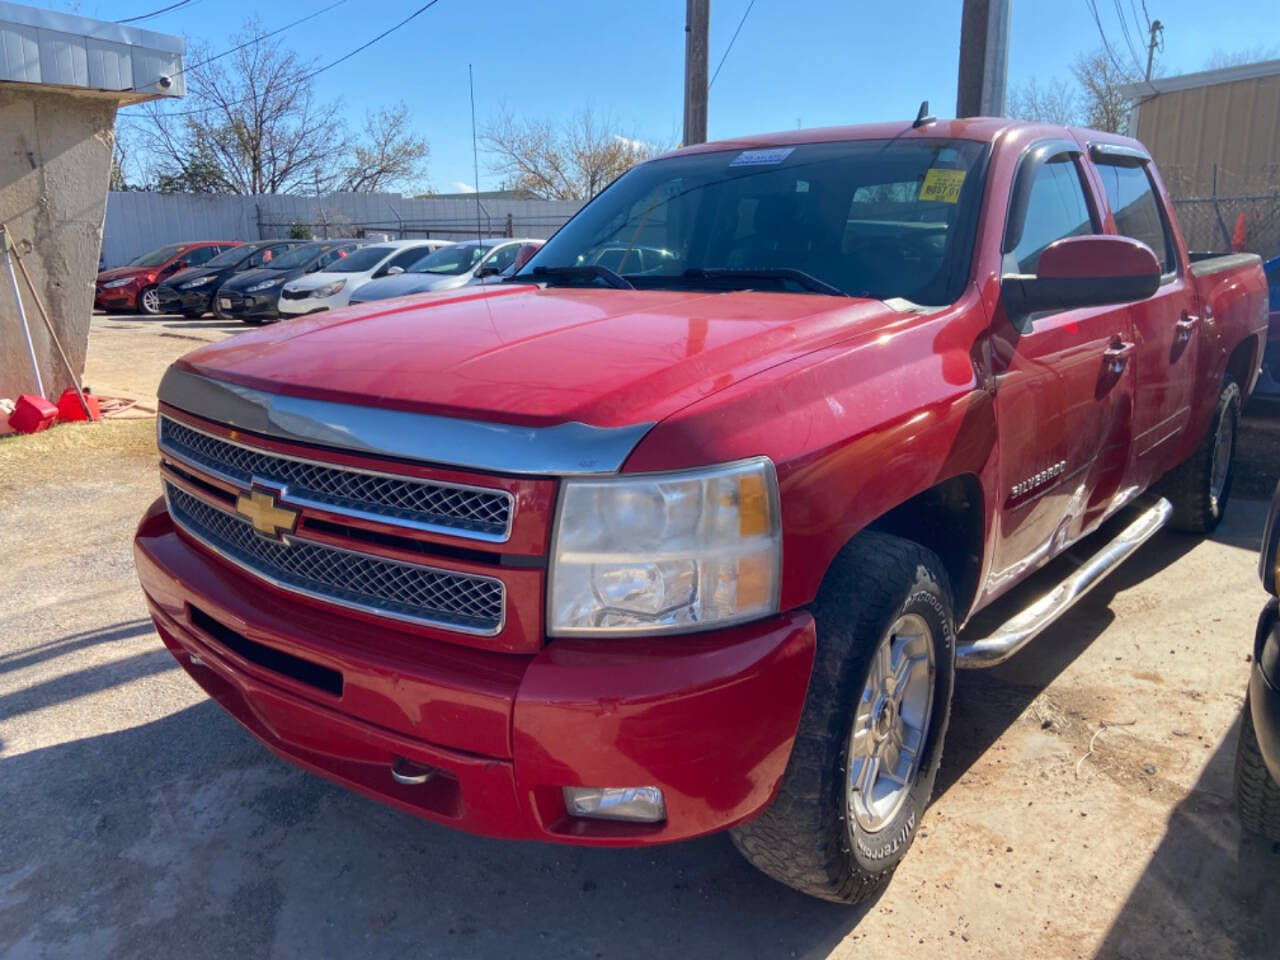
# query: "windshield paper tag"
x,y
761,158
942,186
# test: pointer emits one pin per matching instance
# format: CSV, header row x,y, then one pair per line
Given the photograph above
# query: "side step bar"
x,y
1017,631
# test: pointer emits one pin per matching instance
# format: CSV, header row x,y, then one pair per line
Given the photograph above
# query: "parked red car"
x,y
627,550
134,286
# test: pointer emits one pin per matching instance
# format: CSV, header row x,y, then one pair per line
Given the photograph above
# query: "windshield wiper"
x,y
591,271
798,277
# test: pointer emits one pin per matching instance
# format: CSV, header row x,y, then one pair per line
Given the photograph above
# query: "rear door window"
x,y
1136,210
1056,209
199,255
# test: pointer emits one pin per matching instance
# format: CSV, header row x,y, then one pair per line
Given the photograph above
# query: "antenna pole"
x,y
475,156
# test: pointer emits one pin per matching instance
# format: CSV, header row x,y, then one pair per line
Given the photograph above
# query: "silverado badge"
x,y
265,513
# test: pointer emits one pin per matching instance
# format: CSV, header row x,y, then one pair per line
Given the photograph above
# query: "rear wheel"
x,y
1200,488
1257,794
149,301
870,739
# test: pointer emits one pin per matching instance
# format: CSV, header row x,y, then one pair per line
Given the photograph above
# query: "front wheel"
x,y
1200,488
870,739
149,301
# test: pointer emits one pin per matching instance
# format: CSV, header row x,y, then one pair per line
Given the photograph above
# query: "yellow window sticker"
x,y
942,186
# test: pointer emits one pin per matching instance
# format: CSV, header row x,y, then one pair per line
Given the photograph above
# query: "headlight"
x,y
123,281
265,285
328,290
199,281
666,553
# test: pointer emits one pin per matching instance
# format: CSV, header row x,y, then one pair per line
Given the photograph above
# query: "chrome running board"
x,y
1018,630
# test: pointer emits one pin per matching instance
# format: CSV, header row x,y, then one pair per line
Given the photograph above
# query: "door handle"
x,y
1118,353
1187,325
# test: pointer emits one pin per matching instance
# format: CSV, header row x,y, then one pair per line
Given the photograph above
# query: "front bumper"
x,y
301,306
1264,688
187,301
233,305
116,298
709,719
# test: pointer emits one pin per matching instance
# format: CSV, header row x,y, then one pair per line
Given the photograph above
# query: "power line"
x,y
319,70
256,39
745,14
155,13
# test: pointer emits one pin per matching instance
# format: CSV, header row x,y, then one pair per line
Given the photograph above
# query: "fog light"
x,y
641,804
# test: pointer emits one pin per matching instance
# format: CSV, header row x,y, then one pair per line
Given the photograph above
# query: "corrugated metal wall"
x,y
137,222
1233,126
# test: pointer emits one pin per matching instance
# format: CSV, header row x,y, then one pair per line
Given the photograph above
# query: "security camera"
x,y
165,81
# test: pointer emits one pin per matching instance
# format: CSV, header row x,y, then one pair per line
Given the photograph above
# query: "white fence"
x,y
137,222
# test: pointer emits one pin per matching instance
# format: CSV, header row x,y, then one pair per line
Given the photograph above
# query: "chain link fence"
x,y
325,225
1216,223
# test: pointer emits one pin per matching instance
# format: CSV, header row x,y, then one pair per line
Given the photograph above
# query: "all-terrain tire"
x,y
1257,795
1188,486
806,838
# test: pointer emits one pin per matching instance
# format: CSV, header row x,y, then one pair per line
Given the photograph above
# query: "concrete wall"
x,y
55,160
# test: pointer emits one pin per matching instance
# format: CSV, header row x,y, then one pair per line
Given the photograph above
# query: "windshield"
x,y
871,218
452,261
358,261
157,257
229,258
298,257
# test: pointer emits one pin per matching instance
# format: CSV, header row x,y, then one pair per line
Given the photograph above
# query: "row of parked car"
x,y
265,280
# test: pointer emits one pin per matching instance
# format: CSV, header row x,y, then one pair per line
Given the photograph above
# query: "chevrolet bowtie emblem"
x,y
265,513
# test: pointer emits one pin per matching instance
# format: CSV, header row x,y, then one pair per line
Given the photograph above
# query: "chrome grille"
x,y
444,508
388,587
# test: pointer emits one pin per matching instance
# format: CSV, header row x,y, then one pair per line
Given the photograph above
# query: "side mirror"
x,y
393,271
524,254
1091,271
487,272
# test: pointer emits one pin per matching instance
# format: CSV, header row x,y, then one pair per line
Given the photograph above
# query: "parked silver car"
x,y
450,267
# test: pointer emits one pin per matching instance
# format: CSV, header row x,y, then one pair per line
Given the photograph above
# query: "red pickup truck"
x,y
621,555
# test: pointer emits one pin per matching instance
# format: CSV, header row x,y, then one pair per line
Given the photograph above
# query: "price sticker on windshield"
x,y
942,186
761,158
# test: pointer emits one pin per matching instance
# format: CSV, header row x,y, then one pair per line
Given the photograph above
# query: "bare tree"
x,y
1055,102
391,155
1105,105
570,160
252,126
1238,58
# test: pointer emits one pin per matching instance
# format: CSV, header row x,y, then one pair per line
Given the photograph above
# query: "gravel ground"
x,y
1083,807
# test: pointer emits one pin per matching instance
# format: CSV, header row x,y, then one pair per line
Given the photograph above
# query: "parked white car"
x,y
333,286
472,261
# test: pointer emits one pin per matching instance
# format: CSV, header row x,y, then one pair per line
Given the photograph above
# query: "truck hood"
x,y
525,355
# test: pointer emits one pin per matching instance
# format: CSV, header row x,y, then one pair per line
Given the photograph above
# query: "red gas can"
x,y
31,414
69,408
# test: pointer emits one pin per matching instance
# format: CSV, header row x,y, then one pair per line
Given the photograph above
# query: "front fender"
x,y
854,430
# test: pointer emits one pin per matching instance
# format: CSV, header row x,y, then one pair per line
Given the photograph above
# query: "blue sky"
x,y
808,62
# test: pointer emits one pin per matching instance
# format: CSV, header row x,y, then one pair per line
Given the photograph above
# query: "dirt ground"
x,y
1082,810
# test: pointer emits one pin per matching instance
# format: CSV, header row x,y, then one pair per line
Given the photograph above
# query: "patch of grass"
x,y
71,449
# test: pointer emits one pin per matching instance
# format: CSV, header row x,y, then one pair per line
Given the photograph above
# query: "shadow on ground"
x,y
184,831
1208,891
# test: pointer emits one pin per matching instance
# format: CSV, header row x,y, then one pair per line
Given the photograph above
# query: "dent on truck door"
x,y
1165,326
1063,395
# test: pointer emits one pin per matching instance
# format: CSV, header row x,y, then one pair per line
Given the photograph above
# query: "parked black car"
x,y
252,296
1258,750
191,291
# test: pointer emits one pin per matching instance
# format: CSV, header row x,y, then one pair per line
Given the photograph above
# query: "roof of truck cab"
x,y
981,129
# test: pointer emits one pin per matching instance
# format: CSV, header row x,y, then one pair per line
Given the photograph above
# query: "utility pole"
x,y
984,58
696,28
1157,37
